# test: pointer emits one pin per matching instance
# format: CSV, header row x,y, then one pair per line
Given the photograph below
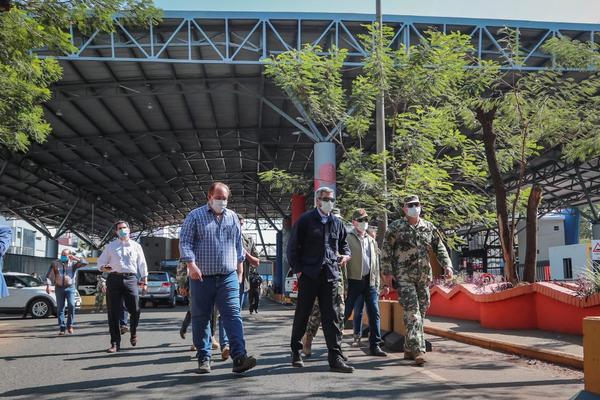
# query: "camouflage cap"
x,y
359,213
411,199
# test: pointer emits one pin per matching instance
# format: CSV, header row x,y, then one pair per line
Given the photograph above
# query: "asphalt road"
x,y
37,364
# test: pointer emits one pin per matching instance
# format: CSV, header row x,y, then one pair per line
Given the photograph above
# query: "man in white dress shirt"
x,y
124,261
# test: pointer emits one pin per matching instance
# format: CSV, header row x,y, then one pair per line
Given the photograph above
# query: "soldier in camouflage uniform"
x,y
405,257
314,321
100,293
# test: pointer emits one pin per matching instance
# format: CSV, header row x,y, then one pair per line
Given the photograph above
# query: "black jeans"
x,y
363,287
254,298
188,319
308,290
122,290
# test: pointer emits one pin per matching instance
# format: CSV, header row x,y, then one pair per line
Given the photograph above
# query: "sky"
x,y
572,11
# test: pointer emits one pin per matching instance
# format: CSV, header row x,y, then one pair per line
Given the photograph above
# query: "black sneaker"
x,y
297,360
204,366
340,366
377,352
243,364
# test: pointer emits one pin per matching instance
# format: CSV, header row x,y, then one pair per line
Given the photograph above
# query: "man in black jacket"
x,y
316,251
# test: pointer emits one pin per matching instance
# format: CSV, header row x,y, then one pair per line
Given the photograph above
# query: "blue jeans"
x,y
363,287
223,339
243,296
359,306
224,291
63,294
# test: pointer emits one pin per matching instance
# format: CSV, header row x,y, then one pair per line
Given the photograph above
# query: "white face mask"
x,y
363,226
218,205
413,211
326,206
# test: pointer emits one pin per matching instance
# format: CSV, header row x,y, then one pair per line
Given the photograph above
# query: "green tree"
x,y
429,155
447,117
524,113
25,79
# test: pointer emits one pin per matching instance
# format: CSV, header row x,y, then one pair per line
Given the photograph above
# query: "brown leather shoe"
x,y
307,345
113,348
70,330
133,339
420,359
225,353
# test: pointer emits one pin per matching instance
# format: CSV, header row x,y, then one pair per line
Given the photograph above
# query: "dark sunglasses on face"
x,y
411,205
362,220
331,199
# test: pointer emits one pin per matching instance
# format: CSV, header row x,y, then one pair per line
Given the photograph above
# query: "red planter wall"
x,y
460,306
556,316
514,313
544,306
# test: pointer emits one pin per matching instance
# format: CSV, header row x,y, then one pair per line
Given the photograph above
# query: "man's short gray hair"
x,y
322,189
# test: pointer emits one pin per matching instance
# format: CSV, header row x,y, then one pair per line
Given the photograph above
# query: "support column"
x,y
278,273
298,206
572,220
51,248
324,165
596,231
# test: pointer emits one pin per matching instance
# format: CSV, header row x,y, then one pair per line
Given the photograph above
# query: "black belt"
x,y
123,273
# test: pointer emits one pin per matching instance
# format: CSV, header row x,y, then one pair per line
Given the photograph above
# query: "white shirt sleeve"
x,y
104,258
141,262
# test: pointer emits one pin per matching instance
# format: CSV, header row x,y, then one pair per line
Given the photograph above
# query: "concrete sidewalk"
x,y
552,347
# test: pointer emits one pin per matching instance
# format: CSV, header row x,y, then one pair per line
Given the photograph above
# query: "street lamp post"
x,y
380,129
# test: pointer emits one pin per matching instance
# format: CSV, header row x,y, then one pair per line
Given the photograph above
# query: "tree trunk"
x,y
531,233
486,119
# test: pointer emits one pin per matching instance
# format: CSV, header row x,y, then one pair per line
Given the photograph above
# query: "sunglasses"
x,y
411,205
330,199
362,220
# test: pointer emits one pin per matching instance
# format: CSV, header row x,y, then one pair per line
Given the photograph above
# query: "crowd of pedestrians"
x,y
340,272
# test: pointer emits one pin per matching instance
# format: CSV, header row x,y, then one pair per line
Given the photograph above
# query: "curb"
x,y
551,356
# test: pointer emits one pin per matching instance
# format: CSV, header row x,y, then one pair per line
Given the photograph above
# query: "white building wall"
x,y
579,255
21,232
551,233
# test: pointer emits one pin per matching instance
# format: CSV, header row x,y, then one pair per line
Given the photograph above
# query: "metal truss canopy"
x,y
247,38
144,120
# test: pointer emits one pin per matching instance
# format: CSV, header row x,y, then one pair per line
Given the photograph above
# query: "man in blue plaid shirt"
x,y
210,243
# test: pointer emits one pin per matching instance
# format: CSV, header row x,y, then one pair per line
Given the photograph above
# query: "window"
x,y
29,281
567,268
158,277
10,280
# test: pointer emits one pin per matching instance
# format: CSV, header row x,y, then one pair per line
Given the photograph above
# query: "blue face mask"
x,y
123,233
64,258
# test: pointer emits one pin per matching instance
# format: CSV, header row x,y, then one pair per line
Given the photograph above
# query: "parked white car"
x,y
28,295
291,284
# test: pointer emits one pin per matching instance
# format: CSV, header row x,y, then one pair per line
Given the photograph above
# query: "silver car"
x,y
28,295
161,289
